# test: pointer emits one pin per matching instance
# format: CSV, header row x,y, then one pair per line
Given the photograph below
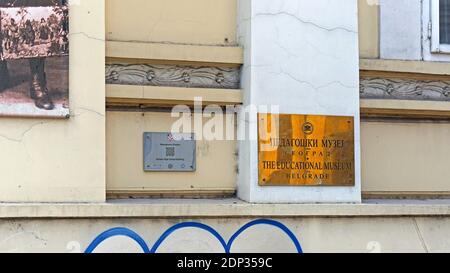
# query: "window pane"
x,y
444,12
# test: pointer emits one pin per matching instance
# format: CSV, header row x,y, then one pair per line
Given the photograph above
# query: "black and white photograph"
x,y
34,58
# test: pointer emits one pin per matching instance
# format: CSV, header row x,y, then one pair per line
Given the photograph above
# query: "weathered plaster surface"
x,y
44,160
342,235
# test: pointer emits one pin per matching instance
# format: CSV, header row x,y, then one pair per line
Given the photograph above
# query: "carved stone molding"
x,y
173,75
380,88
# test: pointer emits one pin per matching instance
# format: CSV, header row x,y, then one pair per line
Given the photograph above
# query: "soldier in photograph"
x,y
29,35
14,35
44,31
38,81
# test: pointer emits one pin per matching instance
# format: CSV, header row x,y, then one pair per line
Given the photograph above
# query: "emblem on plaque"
x,y
308,128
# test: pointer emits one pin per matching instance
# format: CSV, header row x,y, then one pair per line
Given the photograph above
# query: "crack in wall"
x,y
24,133
419,234
303,21
317,88
86,35
86,110
20,233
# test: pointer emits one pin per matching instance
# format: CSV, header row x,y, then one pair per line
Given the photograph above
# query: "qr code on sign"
x,y
170,151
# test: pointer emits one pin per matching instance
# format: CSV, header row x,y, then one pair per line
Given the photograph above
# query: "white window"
x,y
440,26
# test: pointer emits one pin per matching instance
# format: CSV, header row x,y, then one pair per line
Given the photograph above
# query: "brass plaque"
x,y
301,150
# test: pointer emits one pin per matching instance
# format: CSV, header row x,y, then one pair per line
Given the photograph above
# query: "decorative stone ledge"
x,y
173,75
382,88
229,208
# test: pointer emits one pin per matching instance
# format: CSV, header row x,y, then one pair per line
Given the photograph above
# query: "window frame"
x,y
436,46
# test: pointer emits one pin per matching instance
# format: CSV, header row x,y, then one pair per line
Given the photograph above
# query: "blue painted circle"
x,y
276,224
226,246
117,232
188,225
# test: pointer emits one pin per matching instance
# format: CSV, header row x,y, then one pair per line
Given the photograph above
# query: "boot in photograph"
x,y
4,76
38,90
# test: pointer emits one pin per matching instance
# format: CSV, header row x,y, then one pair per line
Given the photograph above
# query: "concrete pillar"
x,y
302,56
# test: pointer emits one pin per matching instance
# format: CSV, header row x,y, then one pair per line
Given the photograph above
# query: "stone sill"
x,y
157,95
398,66
232,55
405,108
231,208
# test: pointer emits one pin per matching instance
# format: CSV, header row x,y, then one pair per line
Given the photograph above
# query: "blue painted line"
x,y
117,232
188,225
226,246
276,224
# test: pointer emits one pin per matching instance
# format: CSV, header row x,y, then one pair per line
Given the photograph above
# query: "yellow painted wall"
x,y
216,160
193,22
63,160
175,21
397,157
391,151
369,28
405,156
206,22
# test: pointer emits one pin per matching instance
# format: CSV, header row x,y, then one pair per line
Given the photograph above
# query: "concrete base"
x,y
376,226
